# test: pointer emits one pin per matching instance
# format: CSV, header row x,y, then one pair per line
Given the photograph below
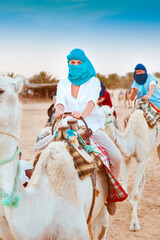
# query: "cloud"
x,y
96,15
74,1
75,6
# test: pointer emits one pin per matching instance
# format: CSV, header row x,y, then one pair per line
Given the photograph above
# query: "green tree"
x,y
157,74
12,75
43,77
113,80
102,78
127,80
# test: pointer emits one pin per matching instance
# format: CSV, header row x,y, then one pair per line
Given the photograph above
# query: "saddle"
x,y
150,112
78,142
79,145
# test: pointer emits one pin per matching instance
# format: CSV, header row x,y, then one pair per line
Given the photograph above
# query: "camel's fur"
x,y
59,171
137,140
52,207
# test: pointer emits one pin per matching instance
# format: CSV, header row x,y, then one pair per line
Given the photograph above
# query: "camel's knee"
x,y
135,196
158,151
127,160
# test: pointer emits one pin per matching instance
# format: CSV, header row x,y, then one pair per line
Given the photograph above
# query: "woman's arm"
x,y
133,93
88,109
100,100
59,111
150,92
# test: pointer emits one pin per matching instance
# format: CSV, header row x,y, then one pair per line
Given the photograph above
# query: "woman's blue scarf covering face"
x,y
140,78
102,90
79,74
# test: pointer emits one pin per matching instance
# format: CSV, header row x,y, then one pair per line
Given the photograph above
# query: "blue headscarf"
x,y
79,74
140,78
102,90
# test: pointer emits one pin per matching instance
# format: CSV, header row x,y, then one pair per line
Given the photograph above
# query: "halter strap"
x,y
12,157
12,199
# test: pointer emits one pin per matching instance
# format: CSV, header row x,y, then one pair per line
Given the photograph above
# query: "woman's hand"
x,y
133,93
58,114
145,97
77,115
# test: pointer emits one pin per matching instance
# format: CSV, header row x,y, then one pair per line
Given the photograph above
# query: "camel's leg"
x,y
100,225
158,151
135,195
142,184
126,165
125,103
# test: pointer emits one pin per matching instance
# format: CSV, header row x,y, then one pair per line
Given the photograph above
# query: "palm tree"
x,y
43,77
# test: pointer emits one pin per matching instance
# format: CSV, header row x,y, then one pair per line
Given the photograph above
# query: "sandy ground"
x,y
33,119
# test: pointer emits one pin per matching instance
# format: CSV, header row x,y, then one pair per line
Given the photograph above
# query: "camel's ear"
x,y
18,83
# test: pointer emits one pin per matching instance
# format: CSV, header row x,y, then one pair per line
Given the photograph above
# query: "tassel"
x,y
11,201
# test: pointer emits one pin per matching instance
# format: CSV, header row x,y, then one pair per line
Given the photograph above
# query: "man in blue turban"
x,y
145,86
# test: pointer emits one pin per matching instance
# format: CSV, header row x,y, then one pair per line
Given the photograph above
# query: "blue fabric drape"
x,y
79,74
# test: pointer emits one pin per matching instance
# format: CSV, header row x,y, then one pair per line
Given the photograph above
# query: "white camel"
x,y
56,203
137,140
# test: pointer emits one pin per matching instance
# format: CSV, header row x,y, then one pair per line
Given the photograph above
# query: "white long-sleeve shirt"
x,y
88,91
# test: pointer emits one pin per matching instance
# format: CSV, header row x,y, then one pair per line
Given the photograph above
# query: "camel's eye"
x,y
1,91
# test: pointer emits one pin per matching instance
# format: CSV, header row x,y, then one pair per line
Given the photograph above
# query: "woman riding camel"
x,y
145,85
79,94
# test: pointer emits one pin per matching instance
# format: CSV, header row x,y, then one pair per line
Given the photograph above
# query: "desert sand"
x,y
33,119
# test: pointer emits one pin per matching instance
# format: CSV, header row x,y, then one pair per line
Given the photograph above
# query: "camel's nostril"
x,y
1,91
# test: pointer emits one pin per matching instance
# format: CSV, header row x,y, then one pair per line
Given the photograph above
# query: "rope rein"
x,y
12,199
11,135
88,148
12,157
109,122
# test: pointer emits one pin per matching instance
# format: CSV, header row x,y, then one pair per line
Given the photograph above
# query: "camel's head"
x,y
9,89
107,114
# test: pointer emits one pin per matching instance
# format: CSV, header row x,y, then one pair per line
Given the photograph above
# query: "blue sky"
x,y
115,35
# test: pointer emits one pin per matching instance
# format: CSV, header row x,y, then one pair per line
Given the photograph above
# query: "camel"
x,y
137,141
121,96
127,101
56,203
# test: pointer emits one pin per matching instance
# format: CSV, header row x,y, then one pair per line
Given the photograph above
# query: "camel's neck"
x,y
120,138
8,146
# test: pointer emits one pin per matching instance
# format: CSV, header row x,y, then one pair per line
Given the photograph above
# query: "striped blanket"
x,y
150,112
116,192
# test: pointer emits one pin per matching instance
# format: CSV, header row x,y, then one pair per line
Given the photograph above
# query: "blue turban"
x,y
79,74
102,90
140,78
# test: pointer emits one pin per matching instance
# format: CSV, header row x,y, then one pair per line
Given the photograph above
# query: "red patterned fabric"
x,y
155,107
116,192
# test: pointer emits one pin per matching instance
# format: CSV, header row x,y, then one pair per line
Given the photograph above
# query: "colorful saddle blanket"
x,y
150,112
116,192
